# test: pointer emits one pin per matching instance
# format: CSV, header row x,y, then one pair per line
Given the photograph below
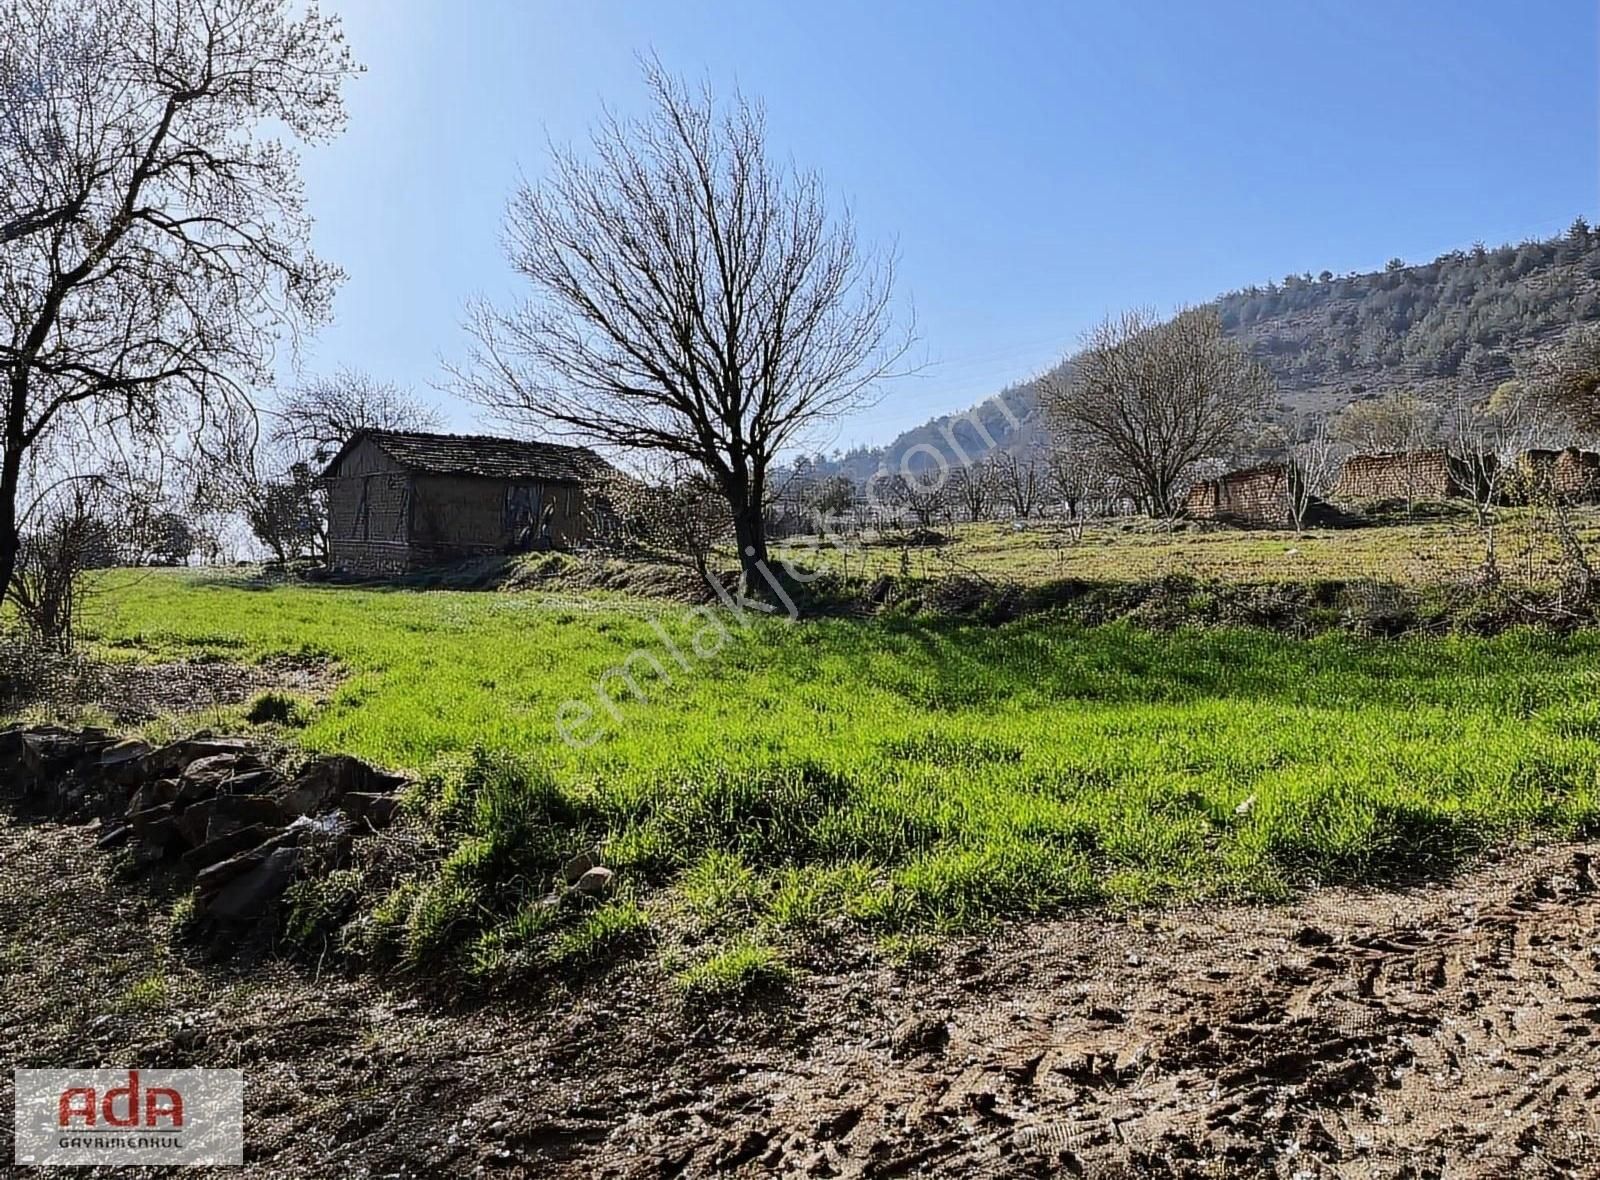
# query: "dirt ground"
x,y
133,694
1443,1031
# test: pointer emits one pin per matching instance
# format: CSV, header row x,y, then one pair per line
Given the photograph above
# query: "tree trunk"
x,y
750,536
10,540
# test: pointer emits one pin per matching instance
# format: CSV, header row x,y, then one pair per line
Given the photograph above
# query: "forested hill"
x,y
1462,319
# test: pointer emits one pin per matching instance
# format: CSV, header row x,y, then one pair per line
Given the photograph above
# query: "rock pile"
x,y
215,805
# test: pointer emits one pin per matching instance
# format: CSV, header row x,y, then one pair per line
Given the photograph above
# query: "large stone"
x,y
194,820
595,881
226,847
250,893
323,782
152,794
255,782
156,826
124,763
572,872
377,810
214,877
145,818
208,776
49,749
229,813
176,757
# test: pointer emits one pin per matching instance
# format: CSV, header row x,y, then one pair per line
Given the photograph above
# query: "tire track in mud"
x,y
1459,1037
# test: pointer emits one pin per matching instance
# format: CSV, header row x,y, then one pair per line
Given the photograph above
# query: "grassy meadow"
x,y
901,775
1442,546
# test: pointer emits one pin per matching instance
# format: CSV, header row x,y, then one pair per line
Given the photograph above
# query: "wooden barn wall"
x,y
458,515
368,503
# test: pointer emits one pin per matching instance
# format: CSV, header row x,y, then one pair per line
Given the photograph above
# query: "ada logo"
x,y
129,1116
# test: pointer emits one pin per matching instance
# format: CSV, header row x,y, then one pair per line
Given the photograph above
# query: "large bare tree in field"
x,y
1155,398
691,297
154,243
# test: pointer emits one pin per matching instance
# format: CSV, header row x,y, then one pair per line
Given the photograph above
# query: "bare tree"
x,y
1312,469
315,419
1020,483
65,536
973,487
830,500
1077,475
694,298
155,241
1392,424
1157,397
923,496
1491,439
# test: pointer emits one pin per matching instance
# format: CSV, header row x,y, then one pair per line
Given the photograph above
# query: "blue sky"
x,y
1036,165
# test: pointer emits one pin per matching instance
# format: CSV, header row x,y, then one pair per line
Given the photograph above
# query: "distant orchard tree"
x,y
287,514
1566,376
154,241
1155,398
924,496
1020,483
1078,475
833,497
1313,468
674,509
973,487
693,298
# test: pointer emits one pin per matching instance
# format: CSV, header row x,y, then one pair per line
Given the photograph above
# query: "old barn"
x,y
402,501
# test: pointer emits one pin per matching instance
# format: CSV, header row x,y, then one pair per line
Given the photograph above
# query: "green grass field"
x,y
1421,554
901,775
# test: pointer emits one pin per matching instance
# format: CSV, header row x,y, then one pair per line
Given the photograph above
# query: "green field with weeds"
x,y
1443,545
760,780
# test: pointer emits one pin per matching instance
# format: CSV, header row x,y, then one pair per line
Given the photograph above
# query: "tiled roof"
x,y
476,454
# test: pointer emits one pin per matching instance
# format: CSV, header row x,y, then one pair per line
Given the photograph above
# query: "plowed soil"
x,y
1450,1030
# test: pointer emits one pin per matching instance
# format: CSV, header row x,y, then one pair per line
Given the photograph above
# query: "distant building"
x,y
1255,497
1433,474
1572,474
403,501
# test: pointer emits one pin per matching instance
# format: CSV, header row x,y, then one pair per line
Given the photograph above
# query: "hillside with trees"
x,y
1465,319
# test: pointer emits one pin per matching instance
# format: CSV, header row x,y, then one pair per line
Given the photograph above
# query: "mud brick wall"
x,y
1569,473
1258,496
1405,476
